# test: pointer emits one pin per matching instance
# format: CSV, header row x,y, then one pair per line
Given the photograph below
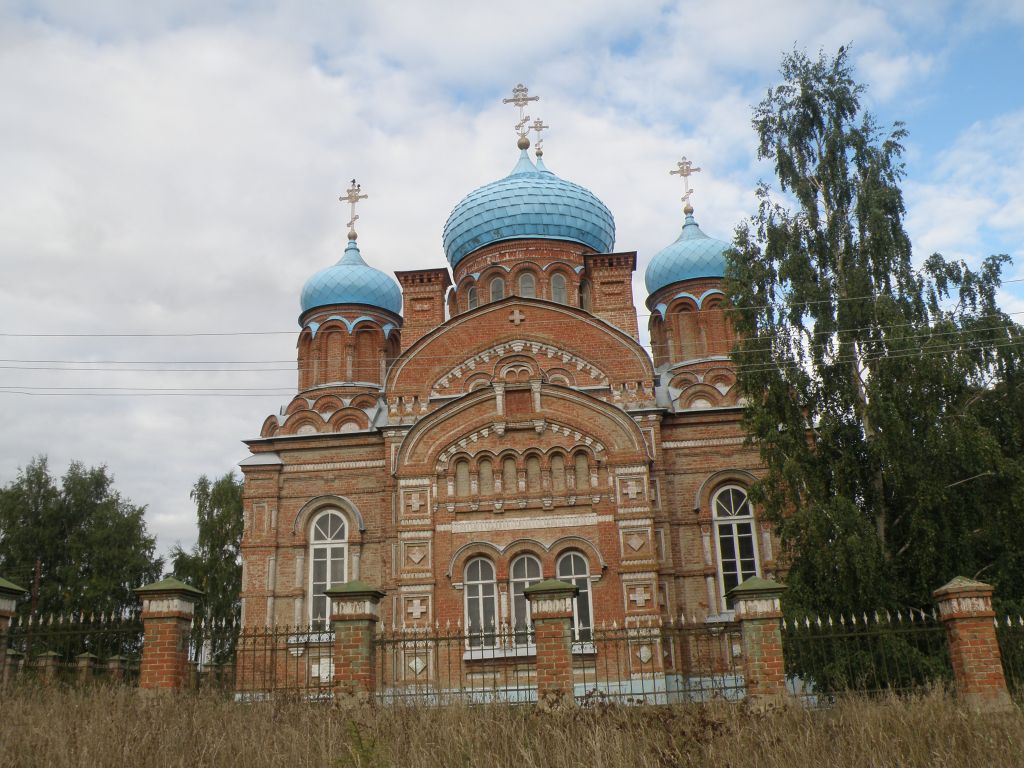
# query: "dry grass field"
x,y
119,727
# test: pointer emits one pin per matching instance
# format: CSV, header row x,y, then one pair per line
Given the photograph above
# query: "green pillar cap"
x,y
962,584
355,589
48,655
549,586
87,655
755,586
171,586
9,588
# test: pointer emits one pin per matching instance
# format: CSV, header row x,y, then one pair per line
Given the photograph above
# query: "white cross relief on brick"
x,y
640,596
414,502
632,489
516,317
416,608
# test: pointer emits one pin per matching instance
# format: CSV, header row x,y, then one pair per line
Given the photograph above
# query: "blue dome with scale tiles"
x,y
692,255
530,202
352,281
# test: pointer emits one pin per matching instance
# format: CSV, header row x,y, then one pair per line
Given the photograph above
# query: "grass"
x,y
101,727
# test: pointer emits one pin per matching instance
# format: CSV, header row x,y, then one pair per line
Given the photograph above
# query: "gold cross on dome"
x,y
684,170
353,196
520,98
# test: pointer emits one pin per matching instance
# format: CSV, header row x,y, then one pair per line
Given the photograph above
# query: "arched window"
x,y
572,568
533,474
528,285
497,288
486,471
328,549
462,478
734,533
481,603
585,295
525,571
582,467
471,297
508,476
558,289
557,472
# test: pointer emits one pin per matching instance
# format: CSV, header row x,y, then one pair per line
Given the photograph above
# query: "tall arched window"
x,y
582,467
462,478
481,603
509,474
328,549
525,571
528,285
558,289
533,474
497,287
472,298
572,568
585,295
734,534
486,471
557,472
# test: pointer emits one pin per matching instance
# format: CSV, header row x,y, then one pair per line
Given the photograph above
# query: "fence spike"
x,y
877,621
935,616
830,622
888,617
842,620
693,618
864,615
1020,621
50,623
818,621
910,615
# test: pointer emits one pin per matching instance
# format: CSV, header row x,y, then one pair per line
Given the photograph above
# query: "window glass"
x,y
471,297
572,568
481,603
527,285
497,288
327,555
734,534
524,572
558,290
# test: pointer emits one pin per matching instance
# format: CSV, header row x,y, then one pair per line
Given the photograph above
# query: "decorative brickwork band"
x,y
167,610
758,605
9,594
551,612
965,607
355,611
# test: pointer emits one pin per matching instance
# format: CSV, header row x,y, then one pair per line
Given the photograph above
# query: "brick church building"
x,y
461,432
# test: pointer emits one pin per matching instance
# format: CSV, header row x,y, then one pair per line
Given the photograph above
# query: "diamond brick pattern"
x,y
528,203
691,256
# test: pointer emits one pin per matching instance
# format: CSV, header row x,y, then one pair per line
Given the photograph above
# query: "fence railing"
x,y
293,661
1010,633
73,649
881,652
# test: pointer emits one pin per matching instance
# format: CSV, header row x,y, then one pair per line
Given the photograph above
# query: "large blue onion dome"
x,y
530,202
691,256
352,281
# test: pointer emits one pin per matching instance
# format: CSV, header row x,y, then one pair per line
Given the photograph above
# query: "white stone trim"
x,y
524,523
167,605
704,443
368,464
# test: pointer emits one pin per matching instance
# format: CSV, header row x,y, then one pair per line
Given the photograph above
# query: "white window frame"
x,y
472,299
332,545
520,583
485,639
523,276
564,289
582,582
730,523
490,288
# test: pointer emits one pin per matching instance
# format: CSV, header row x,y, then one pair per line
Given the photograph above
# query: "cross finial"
x,y
520,98
353,196
537,127
685,169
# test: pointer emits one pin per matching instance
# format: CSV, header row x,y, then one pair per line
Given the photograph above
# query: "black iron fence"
x,y
881,652
1010,633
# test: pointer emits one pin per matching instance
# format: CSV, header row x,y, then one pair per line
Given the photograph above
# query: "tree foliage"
x,y
884,393
91,543
214,564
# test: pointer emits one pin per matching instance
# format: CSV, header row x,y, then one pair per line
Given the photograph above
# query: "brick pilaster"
x,y
355,611
758,605
167,610
423,293
965,607
611,285
9,594
551,612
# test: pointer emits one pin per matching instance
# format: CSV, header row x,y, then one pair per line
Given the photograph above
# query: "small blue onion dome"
x,y
691,256
530,202
352,281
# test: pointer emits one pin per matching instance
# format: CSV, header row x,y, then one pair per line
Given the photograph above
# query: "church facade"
x,y
460,433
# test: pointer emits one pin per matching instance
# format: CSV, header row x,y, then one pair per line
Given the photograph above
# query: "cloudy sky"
x,y
171,170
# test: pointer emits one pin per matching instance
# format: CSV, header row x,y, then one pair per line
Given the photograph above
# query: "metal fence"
x,y
289,661
73,649
880,652
1010,633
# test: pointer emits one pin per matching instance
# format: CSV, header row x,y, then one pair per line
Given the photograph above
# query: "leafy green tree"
x,y
90,542
884,396
214,564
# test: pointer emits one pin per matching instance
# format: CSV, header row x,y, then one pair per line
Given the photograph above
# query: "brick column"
x,y
965,607
758,606
9,594
355,611
551,613
167,610
85,663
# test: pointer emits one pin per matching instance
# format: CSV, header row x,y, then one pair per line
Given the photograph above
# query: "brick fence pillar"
x,y
758,606
9,594
167,610
965,607
551,613
355,611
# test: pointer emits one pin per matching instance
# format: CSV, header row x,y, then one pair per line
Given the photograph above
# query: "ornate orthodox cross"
x,y
537,127
685,169
520,98
353,196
